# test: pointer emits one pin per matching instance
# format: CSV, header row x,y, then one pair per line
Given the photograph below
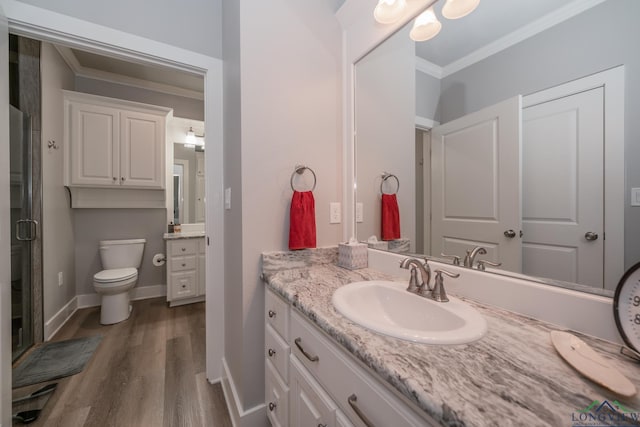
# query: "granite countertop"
x,y
512,376
183,235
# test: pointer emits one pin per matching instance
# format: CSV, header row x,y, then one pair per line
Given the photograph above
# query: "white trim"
x,y
425,123
239,417
612,81
57,321
429,68
523,33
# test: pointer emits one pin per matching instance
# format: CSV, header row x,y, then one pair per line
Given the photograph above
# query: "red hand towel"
x,y
390,217
302,221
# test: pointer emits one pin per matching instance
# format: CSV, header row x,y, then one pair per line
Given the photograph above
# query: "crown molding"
x,y
429,68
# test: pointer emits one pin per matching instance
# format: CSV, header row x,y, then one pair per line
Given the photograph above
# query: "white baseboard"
x,y
255,416
53,325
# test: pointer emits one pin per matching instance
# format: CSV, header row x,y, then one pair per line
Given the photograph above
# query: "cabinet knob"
x,y
271,352
272,314
184,265
115,179
183,249
272,406
122,178
184,286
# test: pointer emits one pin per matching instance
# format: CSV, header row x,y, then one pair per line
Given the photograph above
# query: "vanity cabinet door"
x,y
202,264
276,397
309,405
183,285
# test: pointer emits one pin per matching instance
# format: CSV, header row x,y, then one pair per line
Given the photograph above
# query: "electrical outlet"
x,y
60,278
335,214
359,212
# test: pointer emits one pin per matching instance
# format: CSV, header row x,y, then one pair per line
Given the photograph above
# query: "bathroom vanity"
x,y
322,369
185,267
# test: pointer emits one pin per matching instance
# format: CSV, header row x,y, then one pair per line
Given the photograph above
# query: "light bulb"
x,y
426,26
191,137
389,11
454,9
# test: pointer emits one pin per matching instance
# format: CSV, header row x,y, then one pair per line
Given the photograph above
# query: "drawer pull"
x,y
272,314
272,406
183,249
307,355
271,352
322,425
184,265
352,402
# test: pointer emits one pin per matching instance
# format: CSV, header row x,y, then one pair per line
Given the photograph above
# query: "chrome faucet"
x,y
425,275
471,255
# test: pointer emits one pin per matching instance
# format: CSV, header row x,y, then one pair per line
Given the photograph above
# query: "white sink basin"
x,y
387,308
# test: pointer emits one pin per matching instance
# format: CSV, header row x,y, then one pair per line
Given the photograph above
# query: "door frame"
x,y
612,81
41,24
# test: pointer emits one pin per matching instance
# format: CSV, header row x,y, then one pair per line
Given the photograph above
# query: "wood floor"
x,y
147,371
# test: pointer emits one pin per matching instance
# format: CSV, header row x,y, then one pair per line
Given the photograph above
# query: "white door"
x,y
562,188
475,194
142,150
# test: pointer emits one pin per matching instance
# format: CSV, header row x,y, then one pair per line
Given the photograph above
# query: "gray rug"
x,y
55,360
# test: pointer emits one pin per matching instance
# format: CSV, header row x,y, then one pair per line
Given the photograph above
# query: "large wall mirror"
x,y
514,129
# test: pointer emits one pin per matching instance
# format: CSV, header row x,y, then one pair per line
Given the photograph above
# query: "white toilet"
x,y
120,260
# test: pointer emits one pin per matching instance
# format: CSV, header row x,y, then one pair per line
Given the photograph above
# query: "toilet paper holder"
x,y
159,260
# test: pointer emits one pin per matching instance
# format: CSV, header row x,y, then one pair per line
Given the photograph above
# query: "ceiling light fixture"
x,y
389,11
454,9
426,26
191,137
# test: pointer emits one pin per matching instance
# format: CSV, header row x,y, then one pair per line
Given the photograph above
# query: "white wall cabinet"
x,y
325,385
111,143
185,271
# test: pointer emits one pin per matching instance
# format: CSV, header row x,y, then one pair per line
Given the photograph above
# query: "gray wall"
x,y
282,107
182,106
57,227
190,24
427,96
93,225
600,38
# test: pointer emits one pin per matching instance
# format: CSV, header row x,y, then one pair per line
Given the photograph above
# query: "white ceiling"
x,y
492,22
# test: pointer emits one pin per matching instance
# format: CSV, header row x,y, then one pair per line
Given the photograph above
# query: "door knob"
x,y
591,236
510,234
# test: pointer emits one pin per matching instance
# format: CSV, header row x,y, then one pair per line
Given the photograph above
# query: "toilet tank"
x,y
121,253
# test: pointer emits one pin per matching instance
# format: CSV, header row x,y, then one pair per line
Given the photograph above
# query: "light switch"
x,y
359,212
635,197
335,213
227,198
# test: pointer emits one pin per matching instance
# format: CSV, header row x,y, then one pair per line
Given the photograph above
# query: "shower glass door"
x,y
24,231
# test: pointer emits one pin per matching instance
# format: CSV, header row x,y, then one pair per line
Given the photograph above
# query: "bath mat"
x,y
55,360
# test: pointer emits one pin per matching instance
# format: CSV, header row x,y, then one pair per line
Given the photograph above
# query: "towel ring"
x,y
386,176
300,170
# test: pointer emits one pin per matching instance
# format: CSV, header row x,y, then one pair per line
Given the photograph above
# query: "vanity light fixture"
x,y
191,137
389,11
454,9
426,26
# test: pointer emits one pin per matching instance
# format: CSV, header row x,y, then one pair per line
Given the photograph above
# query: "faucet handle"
x,y
438,293
481,264
456,258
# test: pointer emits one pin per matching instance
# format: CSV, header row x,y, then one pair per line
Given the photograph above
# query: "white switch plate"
x,y
359,212
227,198
635,197
60,278
335,213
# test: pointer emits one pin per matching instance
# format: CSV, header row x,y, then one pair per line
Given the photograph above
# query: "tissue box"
x,y
352,256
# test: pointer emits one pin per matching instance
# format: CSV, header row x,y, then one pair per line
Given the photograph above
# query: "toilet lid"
x,y
115,275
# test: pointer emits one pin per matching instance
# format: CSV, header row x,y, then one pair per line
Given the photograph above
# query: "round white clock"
x,y
626,307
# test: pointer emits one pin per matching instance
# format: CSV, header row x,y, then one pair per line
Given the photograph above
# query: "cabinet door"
x,y
200,164
142,150
95,145
183,285
309,405
202,268
200,203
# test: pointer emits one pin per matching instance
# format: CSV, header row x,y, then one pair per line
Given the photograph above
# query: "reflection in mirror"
x,y
187,197
548,53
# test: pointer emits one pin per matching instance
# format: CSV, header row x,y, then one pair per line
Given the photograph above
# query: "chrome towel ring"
x,y
386,176
300,170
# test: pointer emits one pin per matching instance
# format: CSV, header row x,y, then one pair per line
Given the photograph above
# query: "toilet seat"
x,y
115,275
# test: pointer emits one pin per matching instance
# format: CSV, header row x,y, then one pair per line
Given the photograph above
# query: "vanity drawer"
x,y
277,351
183,247
277,313
201,245
183,263
344,378
183,285
276,397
